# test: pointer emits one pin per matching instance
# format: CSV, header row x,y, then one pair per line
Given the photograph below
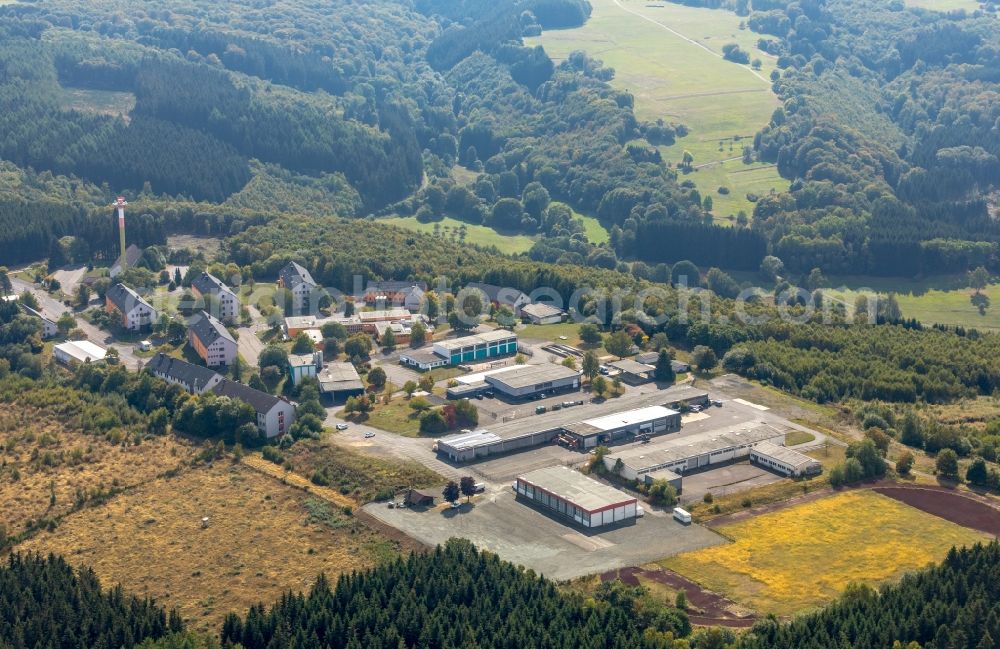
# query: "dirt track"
x,y
949,505
715,610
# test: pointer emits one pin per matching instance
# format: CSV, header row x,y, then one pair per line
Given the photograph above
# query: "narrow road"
x,y
54,308
686,38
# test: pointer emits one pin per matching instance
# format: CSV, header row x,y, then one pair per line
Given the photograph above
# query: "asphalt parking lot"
x,y
726,480
516,531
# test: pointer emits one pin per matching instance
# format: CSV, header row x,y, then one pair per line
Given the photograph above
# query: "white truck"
x,y
682,515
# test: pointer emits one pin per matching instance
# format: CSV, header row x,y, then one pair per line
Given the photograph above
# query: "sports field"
x,y
669,56
799,558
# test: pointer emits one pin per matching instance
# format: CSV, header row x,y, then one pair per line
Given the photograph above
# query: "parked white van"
x,y
682,515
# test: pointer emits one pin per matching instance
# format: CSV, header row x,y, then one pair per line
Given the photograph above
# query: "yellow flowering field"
x,y
798,558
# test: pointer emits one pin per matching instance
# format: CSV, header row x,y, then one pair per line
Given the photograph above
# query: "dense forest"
x,y
457,596
888,132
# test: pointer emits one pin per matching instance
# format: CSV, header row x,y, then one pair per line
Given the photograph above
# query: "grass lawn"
x,y
799,558
937,300
552,332
596,233
796,437
669,58
479,235
97,102
396,417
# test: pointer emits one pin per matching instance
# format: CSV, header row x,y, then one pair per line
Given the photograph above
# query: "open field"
x,y
942,299
48,470
479,235
207,245
97,102
796,559
357,475
669,58
263,538
395,417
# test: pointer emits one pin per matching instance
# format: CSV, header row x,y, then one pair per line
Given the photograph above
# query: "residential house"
x,y
297,280
501,296
49,328
274,414
137,314
228,302
191,377
409,295
211,340
132,256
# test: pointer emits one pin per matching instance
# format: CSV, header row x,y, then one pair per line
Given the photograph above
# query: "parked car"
x,y
716,403
479,487
639,511
369,434
539,410
456,505
682,515
695,408
341,426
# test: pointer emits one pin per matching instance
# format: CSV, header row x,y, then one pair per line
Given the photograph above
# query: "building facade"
x,y
275,416
136,313
299,282
211,340
301,366
228,302
573,496
478,347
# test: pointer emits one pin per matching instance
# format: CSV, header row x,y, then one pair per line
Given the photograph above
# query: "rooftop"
x,y
565,417
207,283
494,335
677,449
124,298
82,350
574,487
499,294
209,329
339,376
302,360
629,418
540,310
294,274
479,377
385,314
524,376
422,355
262,402
784,454
180,370
631,367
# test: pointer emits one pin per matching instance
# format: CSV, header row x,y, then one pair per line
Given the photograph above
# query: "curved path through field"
x,y
684,38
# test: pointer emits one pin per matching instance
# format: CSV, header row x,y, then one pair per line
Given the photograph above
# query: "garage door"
x,y
704,460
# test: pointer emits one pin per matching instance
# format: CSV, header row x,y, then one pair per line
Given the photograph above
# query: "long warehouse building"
x,y
686,454
580,499
581,426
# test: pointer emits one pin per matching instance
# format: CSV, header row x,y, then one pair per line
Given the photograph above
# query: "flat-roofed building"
x,y
673,479
526,381
302,366
575,425
574,496
75,352
632,372
477,347
648,421
422,359
784,460
540,313
685,454
340,380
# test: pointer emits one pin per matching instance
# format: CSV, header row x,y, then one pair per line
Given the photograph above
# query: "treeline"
x,y
955,605
887,132
453,597
44,602
883,362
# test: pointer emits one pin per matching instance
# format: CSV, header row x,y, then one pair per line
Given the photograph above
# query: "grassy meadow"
x,y
802,557
263,538
479,235
669,58
97,102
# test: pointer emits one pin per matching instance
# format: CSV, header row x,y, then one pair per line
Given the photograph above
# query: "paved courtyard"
x,y
498,522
